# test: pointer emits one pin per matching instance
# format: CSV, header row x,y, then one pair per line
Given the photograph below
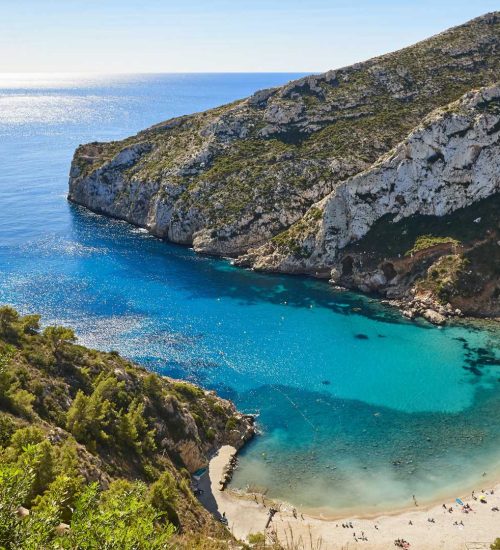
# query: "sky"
x,y
153,36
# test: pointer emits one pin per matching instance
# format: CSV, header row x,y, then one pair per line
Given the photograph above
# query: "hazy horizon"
x,y
170,37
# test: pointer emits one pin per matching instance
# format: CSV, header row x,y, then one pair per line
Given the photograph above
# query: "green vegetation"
x,y
443,277
89,454
428,241
496,545
257,540
292,240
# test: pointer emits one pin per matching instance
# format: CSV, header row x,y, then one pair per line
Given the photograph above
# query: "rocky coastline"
x,y
382,177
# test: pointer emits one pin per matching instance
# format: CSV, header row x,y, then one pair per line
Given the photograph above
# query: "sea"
x,y
358,408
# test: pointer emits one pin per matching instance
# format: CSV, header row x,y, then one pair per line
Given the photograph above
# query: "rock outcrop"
x,y
270,179
450,163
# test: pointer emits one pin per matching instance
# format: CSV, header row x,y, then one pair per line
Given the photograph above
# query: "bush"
x,y
188,390
231,424
21,401
122,518
133,429
31,435
15,484
89,416
30,324
257,539
163,495
58,337
7,428
427,241
8,317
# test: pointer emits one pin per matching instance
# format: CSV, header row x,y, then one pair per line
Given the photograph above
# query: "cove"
x,y
359,409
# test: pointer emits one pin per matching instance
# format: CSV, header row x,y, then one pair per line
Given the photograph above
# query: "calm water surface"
x,y
358,408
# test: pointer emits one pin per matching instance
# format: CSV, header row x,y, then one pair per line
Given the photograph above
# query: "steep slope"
x,y
72,416
372,231
231,178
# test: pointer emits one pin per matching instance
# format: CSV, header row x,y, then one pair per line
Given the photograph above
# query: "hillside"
x,y
97,452
232,178
420,225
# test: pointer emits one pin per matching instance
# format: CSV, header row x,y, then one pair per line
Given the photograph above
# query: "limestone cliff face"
x,y
450,161
231,178
364,234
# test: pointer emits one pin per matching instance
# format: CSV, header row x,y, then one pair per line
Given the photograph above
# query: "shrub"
x,y
31,435
30,324
8,316
58,337
21,401
258,539
15,484
188,390
231,424
133,429
7,428
89,416
163,495
427,241
122,518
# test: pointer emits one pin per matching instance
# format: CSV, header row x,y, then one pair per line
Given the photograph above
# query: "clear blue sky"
x,y
215,35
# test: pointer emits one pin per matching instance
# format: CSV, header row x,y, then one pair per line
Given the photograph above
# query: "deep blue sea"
x,y
359,409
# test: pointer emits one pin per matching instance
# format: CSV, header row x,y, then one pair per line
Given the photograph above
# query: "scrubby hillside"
x,y
421,224
96,452
233,177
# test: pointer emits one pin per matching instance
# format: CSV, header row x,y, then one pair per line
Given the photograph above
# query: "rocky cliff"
x,y
256,175
443,178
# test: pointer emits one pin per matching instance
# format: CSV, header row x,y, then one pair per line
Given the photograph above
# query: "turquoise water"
x,y
358,408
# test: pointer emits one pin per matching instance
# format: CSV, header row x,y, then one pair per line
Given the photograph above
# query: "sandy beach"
x,y
249,514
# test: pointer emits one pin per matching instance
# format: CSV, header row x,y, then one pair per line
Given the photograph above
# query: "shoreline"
x,y
401,305
246,515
